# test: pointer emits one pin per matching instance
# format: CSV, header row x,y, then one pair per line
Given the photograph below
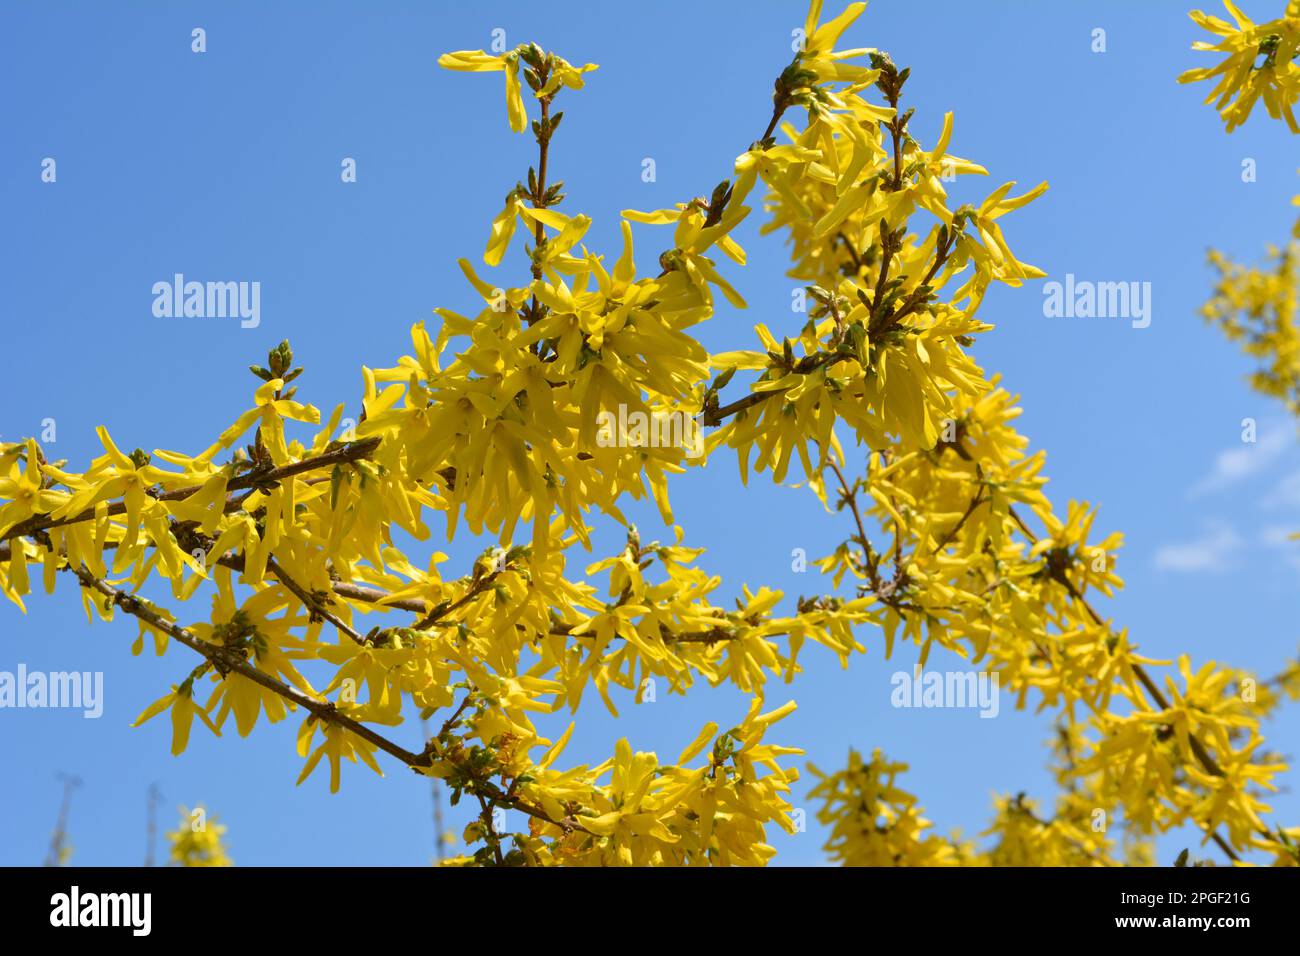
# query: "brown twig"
x,y
313,604
227,660
258,478
1199,750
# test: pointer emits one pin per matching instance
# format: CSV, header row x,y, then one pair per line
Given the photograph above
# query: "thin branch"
x,y
851,497
313,604
59,838
256,479
493,840
478,586
852,251
943,543
227,660
1198,748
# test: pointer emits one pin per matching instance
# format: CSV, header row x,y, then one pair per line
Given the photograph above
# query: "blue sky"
x,y
225,165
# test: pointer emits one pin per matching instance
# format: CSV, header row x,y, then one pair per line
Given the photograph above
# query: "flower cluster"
x,y
304,537
1259,63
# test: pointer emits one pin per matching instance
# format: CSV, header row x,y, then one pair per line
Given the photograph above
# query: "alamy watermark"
x,y
208,300
76,690
130,910
1085,299
935,689
637,429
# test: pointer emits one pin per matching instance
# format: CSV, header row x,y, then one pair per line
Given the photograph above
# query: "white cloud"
x,y
1279,538
1285,494
1206,553
1235,464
